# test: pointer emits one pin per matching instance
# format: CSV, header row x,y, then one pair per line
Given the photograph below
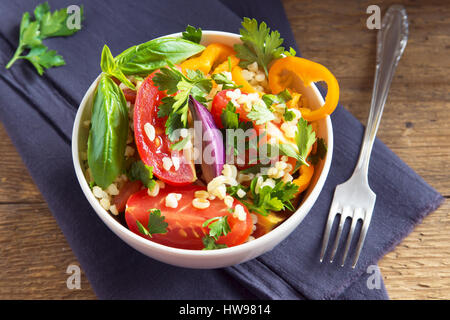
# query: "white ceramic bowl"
x,y
202,258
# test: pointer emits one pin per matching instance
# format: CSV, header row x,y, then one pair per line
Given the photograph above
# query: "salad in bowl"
x,y
203,144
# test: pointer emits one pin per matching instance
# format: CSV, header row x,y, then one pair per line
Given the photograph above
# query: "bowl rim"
x,y
269,239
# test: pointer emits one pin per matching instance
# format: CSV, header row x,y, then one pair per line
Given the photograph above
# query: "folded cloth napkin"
x,y
38,114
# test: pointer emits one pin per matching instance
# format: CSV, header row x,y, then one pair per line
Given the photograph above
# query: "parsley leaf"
x,y
192,34
140,171
288,115
42,58
217,228
230,121
259,44
229,117
304,137
156,223
282,97
320,153
54,24
261,114
176,107
221,78
180,144
233,190
47,24
210,243
269,198
287,150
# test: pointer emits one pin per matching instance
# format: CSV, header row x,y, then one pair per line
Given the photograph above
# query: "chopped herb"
x,y
305,137
291,52
233,190
140,171
192,34
288,150
47,24
226,83
261,114
255,169
180,144
210,244
271,199
218,226
320,153
176,107
288,115
259,44
156,223
230,121
282,97
229,117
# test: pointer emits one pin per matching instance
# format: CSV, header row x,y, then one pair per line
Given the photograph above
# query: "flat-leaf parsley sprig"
x,y
47,24
271,198
192,34
178,87
218,226
259,44
305,137
156,223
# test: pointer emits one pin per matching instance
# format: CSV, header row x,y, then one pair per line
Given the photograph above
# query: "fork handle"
x,y
391,42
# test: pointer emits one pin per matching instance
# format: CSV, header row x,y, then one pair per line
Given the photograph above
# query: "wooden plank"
x,y
415,121
35,255
419,268
16,185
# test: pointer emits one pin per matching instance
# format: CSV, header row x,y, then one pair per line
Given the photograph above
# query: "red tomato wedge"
x,y
219,103
152,153
185,228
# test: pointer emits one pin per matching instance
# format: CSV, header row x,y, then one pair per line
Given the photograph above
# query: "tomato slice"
x,y
185,228
152,153
219,103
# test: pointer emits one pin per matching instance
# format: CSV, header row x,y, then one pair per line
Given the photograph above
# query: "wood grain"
x,y
415,121
34,257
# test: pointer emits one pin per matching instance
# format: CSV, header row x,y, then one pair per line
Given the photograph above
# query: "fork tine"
x,y
326,236
350,237
362,237
344,215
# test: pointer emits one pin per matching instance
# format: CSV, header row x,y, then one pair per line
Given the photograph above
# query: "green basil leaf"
x,y
109,66
154,54
108,134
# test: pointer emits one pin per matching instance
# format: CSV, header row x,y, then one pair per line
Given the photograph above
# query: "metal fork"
x,y
354,199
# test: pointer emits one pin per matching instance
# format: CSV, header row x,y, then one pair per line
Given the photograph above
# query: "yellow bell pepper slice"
x,y
305,177
308,71
230,61
236,75
213,54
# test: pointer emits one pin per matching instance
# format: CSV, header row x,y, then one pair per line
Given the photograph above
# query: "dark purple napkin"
x,y
38,114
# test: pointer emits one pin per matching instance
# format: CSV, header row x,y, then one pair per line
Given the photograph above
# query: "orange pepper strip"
x,y
308,71
224,66
305,177
237,77
214,53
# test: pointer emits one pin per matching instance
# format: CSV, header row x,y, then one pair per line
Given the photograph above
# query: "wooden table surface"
x,y
34,256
